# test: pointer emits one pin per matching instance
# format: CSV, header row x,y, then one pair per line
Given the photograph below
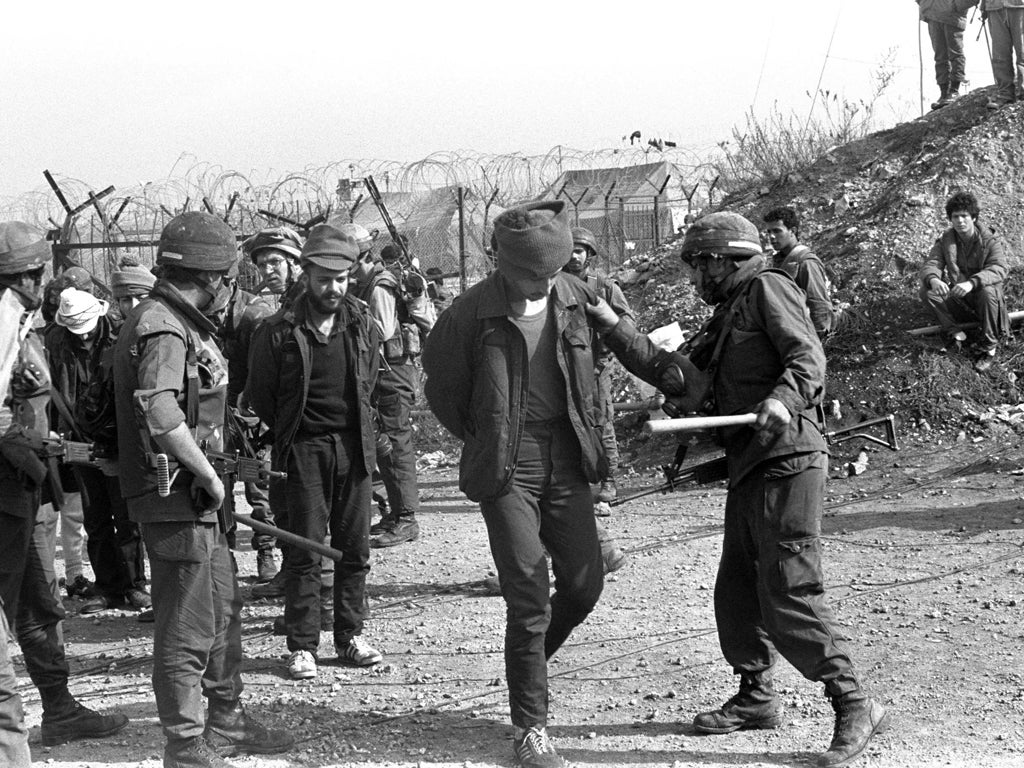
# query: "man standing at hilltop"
x,y
1006,30
946,20
962,279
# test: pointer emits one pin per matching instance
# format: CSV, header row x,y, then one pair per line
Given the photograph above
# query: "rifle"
x,y
371,187
63,450
717,469
233,465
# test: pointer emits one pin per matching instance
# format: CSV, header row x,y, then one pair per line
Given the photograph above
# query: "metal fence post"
x,y
462,239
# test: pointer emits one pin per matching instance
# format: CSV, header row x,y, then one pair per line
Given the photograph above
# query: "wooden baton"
x,y
665,426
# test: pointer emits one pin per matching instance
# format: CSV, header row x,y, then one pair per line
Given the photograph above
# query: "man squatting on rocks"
x,y
510,372
318,362
962,280
760,354
947,20
28,584
171,384
400,316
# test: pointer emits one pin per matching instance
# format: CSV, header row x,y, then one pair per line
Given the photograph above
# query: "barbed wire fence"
x,y
631,197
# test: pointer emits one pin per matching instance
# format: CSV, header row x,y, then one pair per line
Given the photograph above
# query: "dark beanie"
x,y
534,238
727,234
330,248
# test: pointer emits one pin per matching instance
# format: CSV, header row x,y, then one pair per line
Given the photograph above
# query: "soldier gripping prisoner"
x,y
171,385
760,354
28,589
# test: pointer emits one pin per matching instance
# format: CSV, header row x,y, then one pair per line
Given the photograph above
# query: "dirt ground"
x,y
923,561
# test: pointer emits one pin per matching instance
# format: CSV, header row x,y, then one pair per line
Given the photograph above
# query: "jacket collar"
x,y
174,298
494,300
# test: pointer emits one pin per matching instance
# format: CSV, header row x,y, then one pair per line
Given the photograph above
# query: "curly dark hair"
x,y
787,216
962,201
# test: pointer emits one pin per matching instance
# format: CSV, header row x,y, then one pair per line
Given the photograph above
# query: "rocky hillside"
x,y
871,210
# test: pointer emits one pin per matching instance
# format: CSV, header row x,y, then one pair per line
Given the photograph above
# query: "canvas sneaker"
x,y
302,665
534,750
358,653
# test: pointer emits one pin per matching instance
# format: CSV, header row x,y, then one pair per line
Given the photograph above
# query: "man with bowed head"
x,y
759,354
170,387
510,372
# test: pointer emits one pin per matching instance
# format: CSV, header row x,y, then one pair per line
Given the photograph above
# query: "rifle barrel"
x,y
290,538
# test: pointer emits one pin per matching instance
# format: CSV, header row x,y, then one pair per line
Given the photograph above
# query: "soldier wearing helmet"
x,y
170,382
402,313
759,354
584,251
275,253
27,589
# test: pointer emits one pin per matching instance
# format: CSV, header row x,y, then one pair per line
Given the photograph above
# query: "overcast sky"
x,y
115,93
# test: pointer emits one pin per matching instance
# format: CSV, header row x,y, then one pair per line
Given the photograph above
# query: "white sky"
x,y
116,92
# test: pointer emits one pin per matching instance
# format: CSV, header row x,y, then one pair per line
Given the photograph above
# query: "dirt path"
x,y
924,564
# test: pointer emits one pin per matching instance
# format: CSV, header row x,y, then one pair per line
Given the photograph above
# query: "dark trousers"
x,y
259,500
114,541
197,636
328,491
604,394
548,507
396,394
769,594
13,736
28,588
984,305
948,47
1006,28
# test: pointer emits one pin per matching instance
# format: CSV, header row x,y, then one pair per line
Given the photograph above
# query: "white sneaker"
x,y
301,665
358,653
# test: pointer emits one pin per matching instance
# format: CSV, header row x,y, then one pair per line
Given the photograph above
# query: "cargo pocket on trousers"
x,y
177,542
799,566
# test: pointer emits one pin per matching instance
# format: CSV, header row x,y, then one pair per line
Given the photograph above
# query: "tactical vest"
x,y
405,342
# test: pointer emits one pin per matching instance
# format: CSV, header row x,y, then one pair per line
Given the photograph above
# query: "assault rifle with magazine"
x,y
717,469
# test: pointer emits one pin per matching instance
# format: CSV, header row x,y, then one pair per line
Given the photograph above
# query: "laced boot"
x,y
951,95
858,718
266,568
755,706
229,730
64,719
943,97
192,753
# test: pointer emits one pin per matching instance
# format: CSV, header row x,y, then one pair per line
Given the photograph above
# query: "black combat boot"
x,y
858,718
756,705
229,730
192,753
64,719
943,97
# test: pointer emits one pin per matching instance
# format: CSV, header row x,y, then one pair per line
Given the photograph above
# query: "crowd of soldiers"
x,y
517,368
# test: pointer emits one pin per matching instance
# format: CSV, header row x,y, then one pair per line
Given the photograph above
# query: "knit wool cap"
x,y
22,248
274,238
131,280
727,234
533,239
80,311
197,240
330,248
